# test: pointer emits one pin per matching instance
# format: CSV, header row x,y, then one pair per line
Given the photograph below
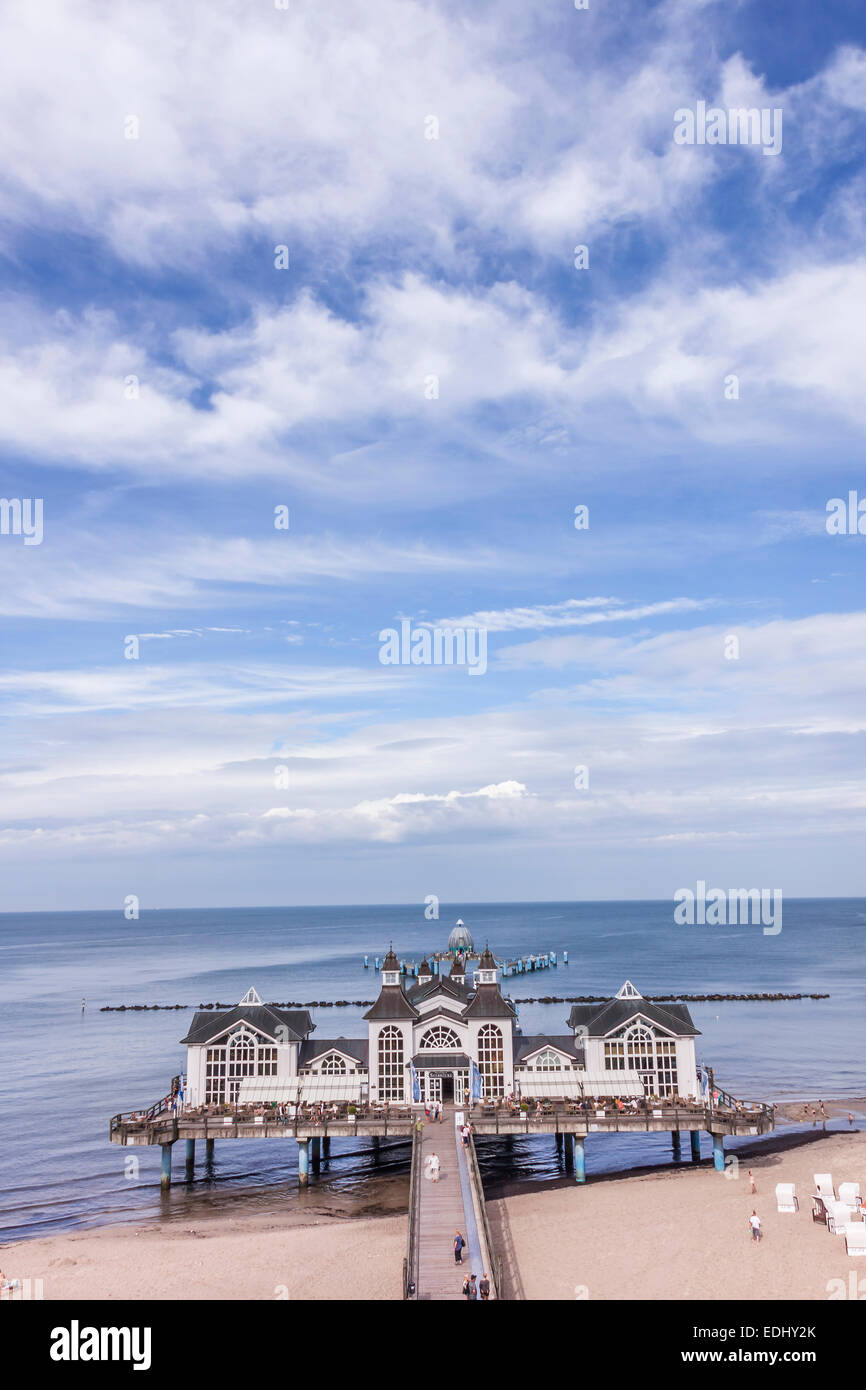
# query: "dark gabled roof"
x,y
424,968
601,1019
524,1047
350,1047
438,985
487,961
438,1060
489,1003
392,1003
390,962
295,1024
440,1011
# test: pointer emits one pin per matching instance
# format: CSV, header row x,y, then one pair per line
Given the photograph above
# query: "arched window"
x,y
439,1038
333,1064
548,1061
641,1050
491,1060
243,1054
391,1073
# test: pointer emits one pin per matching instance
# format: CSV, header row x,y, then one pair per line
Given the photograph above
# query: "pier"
x,y
161,1126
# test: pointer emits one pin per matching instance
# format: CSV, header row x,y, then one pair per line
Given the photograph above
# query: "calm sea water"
x,y
65,1073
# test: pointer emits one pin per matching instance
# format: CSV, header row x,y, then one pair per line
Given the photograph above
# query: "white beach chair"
x,y
824,1184
838,1217
855,1239
786,1199
849,1193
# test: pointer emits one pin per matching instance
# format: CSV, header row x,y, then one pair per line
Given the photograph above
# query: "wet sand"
x,y
683,1233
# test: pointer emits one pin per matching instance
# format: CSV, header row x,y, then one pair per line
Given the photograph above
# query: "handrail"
x,y
475,1178
410,1263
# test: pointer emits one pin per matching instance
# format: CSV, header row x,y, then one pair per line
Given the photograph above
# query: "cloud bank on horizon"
x,y
320,320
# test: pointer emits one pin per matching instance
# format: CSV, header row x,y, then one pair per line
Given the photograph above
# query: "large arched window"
x,y
491,1060
391,1073
641,1050
438,1038
548,1061
333,1064
243,1054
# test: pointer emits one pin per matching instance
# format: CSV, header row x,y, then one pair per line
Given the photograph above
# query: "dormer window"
x,y
390,977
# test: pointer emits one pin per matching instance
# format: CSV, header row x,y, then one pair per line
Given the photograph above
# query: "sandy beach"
x,y
682,1234
224,1258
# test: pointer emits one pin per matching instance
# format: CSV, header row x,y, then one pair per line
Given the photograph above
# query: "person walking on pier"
x,y
431,1167
484,1287
467,1290
459,1243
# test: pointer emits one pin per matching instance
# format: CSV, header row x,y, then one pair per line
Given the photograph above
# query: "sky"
x,y
323,264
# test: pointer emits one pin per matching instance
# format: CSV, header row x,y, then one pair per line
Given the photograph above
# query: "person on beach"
x,y
755,1223
753,1186
850,1118
484,1287
459,1243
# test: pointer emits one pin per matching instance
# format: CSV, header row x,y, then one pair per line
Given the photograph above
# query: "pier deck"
x,y
166,1128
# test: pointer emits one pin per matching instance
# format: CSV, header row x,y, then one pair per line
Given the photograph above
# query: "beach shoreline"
x,y
332,1246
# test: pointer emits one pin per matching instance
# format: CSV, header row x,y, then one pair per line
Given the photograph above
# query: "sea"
x,y
68,1066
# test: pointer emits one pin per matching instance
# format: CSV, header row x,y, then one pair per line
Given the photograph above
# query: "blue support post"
x,y
695,1137
677,1147
190,1157
719,1153
303,1162
165,1175
579,1159
565,958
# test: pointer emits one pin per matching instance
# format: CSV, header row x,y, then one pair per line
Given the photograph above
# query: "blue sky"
x,y
153,258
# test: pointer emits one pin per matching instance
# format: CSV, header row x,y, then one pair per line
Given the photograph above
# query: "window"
x,y
438,1038
244,1054
333,1065
641,1053
391,1073
548,1061
215,1076
491,1060
666,1054
614,1056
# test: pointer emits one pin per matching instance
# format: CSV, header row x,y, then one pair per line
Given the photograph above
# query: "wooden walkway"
x,y
442,1211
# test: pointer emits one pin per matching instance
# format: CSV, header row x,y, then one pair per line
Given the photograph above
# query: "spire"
x,y
251,997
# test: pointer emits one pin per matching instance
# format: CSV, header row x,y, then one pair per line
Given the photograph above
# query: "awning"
x,y
261,1092
441,1061
331,1087
577,1084
614,1083
549,1083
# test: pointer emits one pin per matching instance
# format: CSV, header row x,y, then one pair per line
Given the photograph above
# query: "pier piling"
x,y
677,1146
695,1139
208,1150
303,1162
190,1158
719,1153
579,1159
165,1175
